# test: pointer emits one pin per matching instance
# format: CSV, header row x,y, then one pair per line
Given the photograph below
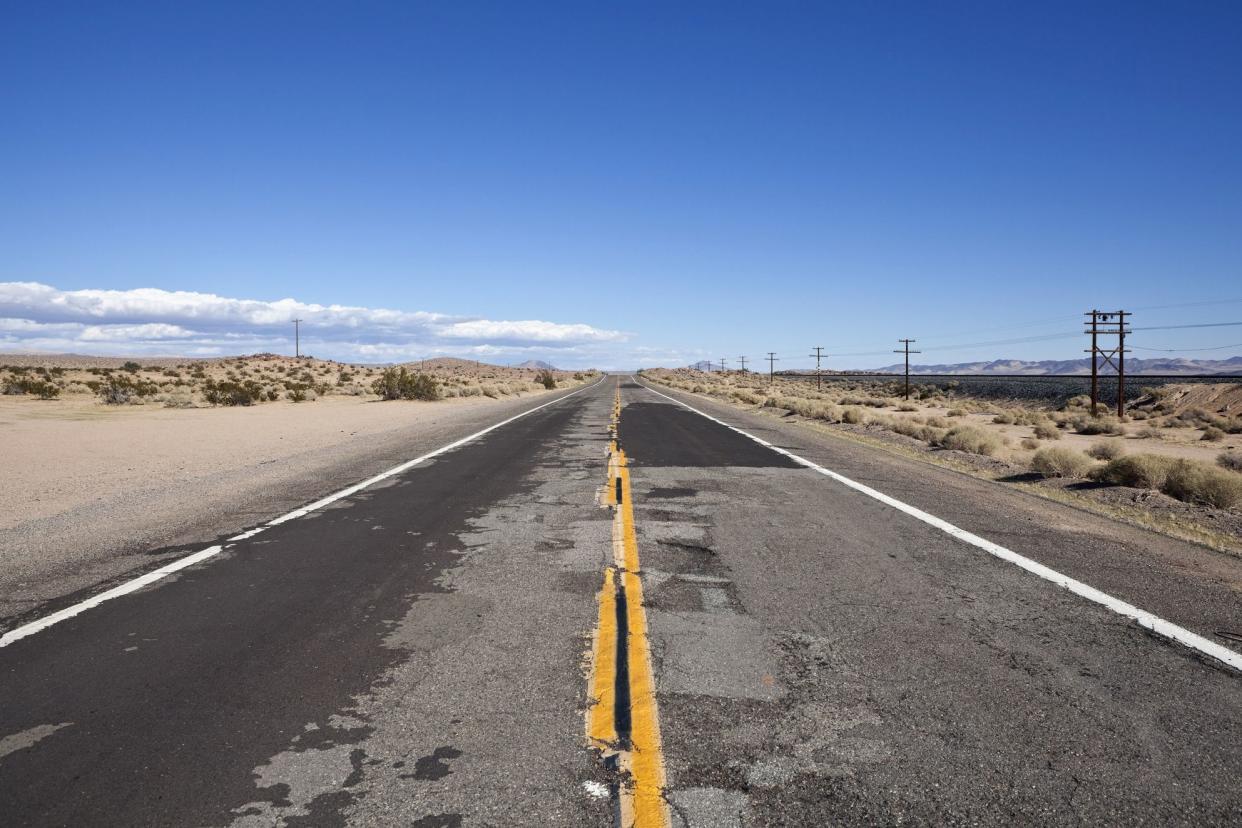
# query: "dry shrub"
x,y
970,439
854,416
1149,433
957,412
1229,460
1030,444
1106,451
1097,425
1141,471
1058,461
1196,482
1212,434
1047,430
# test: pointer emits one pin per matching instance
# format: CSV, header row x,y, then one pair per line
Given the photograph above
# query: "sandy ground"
x,y
90,490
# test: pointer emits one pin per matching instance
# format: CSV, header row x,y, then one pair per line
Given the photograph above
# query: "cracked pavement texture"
x,y
869,669
416,654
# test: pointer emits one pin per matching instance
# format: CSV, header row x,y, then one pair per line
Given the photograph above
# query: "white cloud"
x,y
149,321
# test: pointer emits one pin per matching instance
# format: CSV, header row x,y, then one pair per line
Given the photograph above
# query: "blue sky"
x,y
632,183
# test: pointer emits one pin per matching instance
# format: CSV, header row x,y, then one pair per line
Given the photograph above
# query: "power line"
x,y
1183,327
1177,350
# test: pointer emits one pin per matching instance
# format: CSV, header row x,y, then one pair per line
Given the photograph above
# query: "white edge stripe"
x,y
1143,618
181,563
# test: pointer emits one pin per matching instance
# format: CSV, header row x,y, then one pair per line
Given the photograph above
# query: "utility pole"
x,y
772,360
297,339
819,354
722,359
907,352
743,359
1108,323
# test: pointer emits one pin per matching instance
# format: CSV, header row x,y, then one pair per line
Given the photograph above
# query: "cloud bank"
x,y
150,321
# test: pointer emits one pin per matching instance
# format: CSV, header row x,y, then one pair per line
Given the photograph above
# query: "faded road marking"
x,y
28,738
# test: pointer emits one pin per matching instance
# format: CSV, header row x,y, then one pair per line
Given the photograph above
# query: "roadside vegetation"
x,y
1183,441
267,378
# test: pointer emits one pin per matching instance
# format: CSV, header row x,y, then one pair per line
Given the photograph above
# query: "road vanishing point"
x,y
627,606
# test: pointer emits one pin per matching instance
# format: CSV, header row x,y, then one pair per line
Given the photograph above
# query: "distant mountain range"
x,y
537,364
1134,365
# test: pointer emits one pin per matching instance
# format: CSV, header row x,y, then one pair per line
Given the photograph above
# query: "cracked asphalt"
x,y
417,653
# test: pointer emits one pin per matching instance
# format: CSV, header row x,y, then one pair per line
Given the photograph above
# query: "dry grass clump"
x,y
1097,425
1212,434
853,416
1104,450
1058,461
1229,460
1140,471
1047,430
970,439
1196,482
1191,481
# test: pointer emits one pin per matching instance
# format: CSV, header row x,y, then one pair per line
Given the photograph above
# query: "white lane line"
x,y
181,563
1143,618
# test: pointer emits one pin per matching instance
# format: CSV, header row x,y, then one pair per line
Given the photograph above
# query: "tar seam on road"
x,y
623,718
211,551
1147,620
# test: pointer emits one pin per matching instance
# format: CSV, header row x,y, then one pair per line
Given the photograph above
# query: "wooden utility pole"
x,y
297,338
743,359
772,360
1108,323
722,361
907,352
819,353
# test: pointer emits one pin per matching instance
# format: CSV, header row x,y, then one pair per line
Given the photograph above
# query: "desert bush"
x,y
1003,418
179,399
1196,482
907,407
546,379
1106,451
970,439
1030,444
1212,434
1229,460
490,391
1141,471
1058,461
957,412
853,416
230,393
400,384
1097,425
119,390
1149,433
40,388
131,367
1047,430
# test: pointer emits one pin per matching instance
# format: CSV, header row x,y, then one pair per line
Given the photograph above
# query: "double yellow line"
x,y
623,720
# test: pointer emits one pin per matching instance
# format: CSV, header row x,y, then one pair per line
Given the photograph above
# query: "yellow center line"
x,y
642,803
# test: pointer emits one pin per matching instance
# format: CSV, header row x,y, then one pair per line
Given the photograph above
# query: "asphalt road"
x,y
418,652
